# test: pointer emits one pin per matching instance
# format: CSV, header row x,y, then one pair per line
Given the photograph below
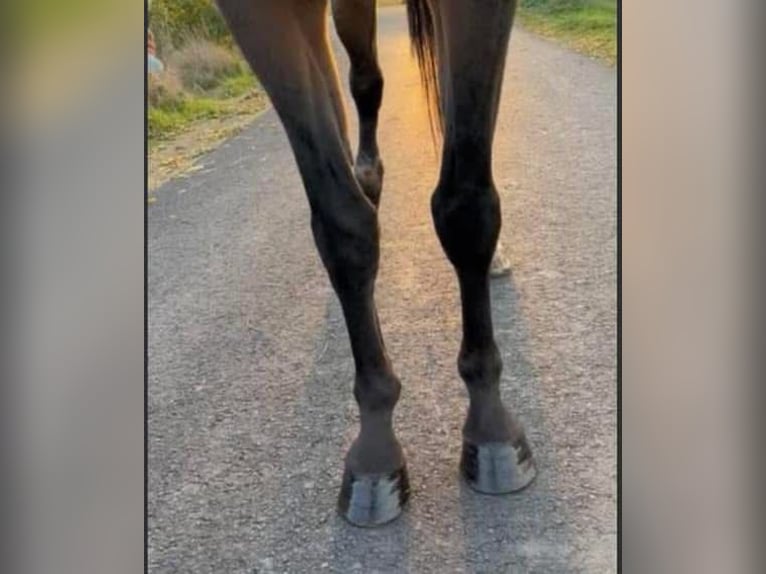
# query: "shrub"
x,y
202,65
174,22
237,86
165,90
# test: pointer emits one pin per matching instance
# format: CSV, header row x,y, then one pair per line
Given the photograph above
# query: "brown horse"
x,y
461,47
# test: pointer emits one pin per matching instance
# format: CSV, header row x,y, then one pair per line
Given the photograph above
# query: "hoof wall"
x,y
497,468
373,500
500,265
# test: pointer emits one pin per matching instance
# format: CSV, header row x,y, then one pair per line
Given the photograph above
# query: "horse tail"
x,y
423,42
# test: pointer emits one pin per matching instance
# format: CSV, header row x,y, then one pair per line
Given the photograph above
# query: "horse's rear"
x,y
461,48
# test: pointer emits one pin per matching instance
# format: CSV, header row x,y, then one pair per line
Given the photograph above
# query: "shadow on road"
x,y
529,530
503,532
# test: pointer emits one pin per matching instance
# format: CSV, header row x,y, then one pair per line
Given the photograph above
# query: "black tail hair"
x,y
422,37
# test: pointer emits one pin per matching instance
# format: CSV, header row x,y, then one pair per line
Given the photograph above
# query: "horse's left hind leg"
x,y
355,22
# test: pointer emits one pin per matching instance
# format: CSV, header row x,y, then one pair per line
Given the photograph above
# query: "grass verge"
x,y
181,136
205,95
228,98
587,26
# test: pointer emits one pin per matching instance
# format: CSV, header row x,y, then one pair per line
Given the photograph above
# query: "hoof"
x,y
497,467
500,265
373,500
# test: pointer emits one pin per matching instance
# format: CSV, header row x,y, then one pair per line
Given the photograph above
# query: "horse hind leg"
x,y
356,25
345,227
466,211
500,265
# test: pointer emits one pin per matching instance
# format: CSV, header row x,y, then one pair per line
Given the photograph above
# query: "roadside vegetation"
x,y
201,80
587,26
206,92
204,76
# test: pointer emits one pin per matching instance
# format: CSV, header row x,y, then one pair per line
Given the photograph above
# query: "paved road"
x,y
250,374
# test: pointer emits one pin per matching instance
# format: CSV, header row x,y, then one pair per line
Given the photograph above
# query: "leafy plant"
x,y
202,65
176,22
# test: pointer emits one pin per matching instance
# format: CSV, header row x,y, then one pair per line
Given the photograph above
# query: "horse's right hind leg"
x,y
285,42
356,26
500,265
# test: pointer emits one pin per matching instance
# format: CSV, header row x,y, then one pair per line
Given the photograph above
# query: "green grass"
x,y
236,86
588,26
164,122
168,119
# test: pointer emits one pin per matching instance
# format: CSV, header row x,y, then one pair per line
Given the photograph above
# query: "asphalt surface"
x,y
250,373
